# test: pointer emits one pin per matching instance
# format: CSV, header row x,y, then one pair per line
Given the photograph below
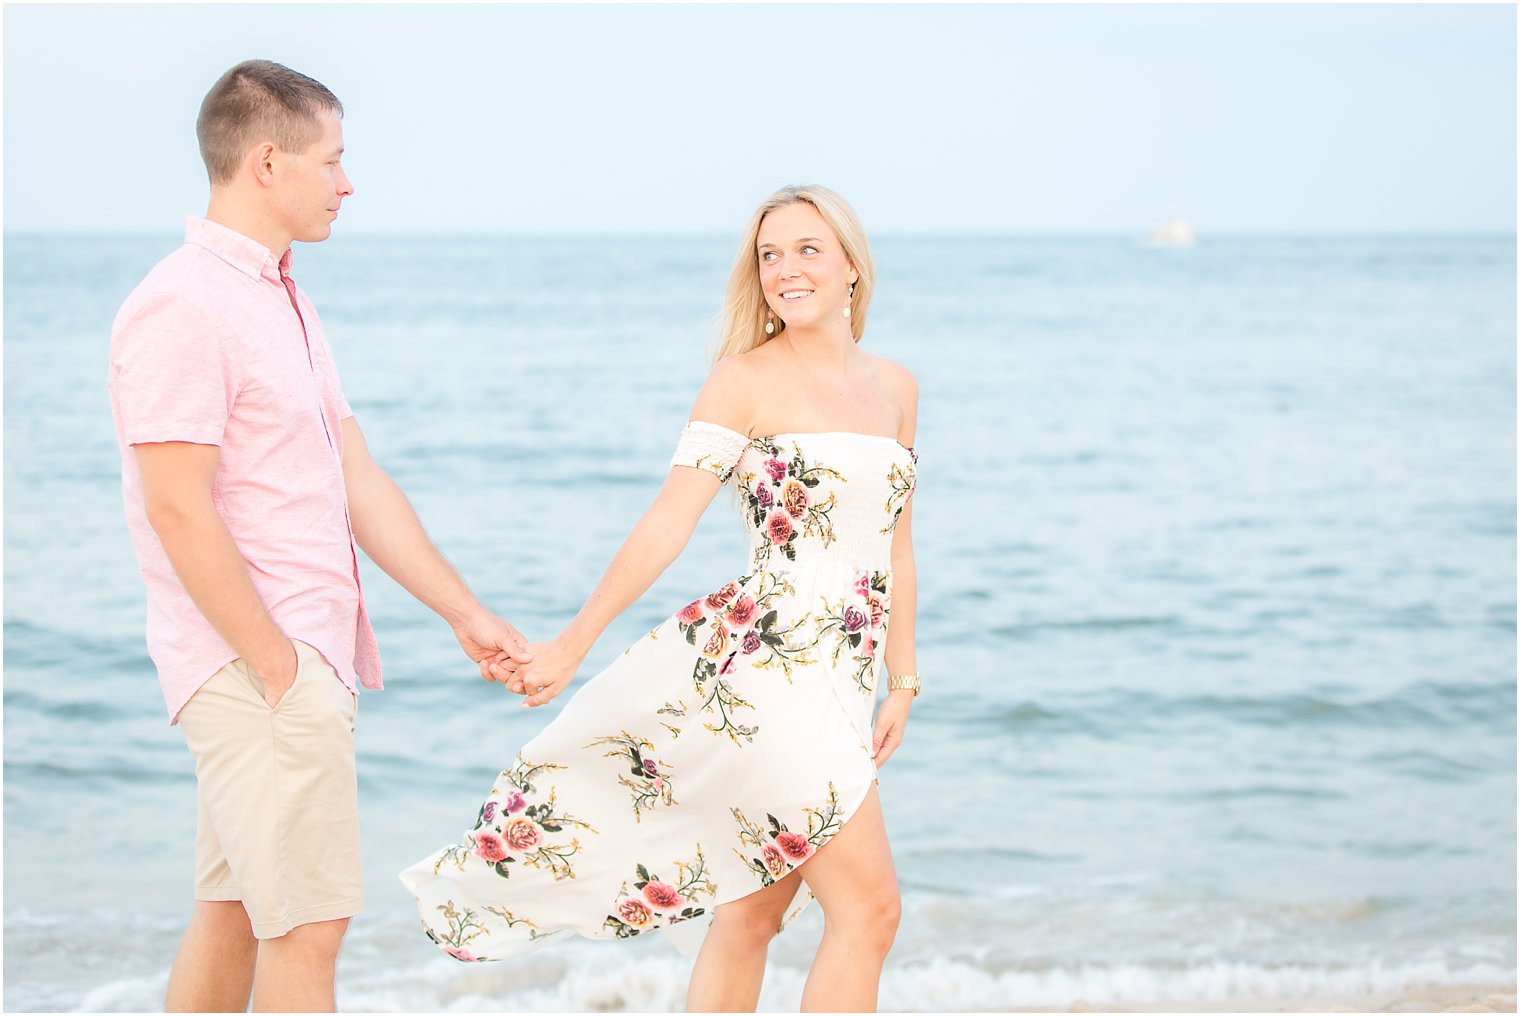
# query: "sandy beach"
x,y
1414,998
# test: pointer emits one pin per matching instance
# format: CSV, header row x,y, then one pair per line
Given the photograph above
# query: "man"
x,y
247,483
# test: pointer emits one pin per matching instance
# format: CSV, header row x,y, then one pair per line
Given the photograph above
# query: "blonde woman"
x,y
729,758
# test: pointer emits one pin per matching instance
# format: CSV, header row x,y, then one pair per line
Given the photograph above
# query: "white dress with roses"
x,y
721,750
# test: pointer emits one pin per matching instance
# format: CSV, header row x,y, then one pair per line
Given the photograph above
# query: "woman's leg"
x,y
856,885
731,965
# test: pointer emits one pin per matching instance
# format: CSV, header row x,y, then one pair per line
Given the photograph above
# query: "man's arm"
x,y
177,480
388,530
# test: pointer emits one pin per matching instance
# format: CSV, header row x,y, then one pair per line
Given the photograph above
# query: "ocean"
x,y
1216,556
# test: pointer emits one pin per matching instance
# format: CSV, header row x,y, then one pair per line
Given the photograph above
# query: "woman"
x,y
728,757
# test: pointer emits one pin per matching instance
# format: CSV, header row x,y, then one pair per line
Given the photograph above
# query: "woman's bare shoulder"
x,y
727,397
901,386
895,377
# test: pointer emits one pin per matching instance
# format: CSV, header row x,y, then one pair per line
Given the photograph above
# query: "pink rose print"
x,y
796,499
794,845
779,527
717,643
868,647
718,600
662,895
650,767
727,666
774,862
878,611
751,641
742,611
776,468
763,495
514,802
462,955
523,835
488,846
863,585
691,613
854,620
488,813
632,912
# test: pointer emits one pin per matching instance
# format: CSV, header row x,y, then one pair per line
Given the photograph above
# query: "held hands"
x,y
552,668
891,721
495,646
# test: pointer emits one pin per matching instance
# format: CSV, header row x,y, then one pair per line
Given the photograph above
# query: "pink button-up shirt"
x,y
217,346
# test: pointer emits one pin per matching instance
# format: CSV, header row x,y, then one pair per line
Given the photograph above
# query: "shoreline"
x,y
1411,998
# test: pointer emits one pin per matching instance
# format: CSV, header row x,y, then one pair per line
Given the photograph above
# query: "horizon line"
x,y
509,234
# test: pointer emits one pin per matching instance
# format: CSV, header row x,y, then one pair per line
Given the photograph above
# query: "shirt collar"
x,y
241,252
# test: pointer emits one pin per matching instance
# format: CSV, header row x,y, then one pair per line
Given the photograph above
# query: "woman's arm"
x,y
657,539
900,657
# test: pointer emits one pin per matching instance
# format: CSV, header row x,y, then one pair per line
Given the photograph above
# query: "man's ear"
x,y
262,158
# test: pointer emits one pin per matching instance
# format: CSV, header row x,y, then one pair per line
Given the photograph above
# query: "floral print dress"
x,y
720,751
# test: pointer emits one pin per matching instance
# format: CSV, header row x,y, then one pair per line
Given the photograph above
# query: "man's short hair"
x,y
259,100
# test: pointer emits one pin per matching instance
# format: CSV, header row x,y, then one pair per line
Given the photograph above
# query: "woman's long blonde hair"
x,y
742,325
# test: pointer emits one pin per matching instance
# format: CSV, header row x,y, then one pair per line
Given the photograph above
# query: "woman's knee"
x,y
872,917
753,924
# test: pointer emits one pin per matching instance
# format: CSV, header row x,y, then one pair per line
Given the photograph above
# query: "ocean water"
x,y
1216,554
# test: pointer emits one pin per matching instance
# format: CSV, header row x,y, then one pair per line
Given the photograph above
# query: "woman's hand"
x,y
891,721
551,668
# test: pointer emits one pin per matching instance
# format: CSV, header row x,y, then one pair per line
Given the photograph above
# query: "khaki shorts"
x,y
278,798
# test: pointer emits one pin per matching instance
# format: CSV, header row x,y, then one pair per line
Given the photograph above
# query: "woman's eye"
x,y
810,248
768,256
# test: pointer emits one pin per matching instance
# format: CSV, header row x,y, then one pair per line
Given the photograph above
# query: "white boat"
x,y
1174,232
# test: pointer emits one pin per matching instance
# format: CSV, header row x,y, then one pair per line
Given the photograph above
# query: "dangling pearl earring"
x,y
770,325
847,306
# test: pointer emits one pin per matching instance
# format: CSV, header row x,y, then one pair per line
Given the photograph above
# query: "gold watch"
x,y
903,682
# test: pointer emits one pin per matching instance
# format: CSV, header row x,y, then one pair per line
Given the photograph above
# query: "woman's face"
x,y
803,271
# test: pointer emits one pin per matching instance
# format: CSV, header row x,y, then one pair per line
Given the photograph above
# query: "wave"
x,y
658,984
1421,705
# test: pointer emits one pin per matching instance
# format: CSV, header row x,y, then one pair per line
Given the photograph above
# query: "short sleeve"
x,y
711,447
170,378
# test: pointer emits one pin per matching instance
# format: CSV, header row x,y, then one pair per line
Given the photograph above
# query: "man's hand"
x,y
278,673
495,646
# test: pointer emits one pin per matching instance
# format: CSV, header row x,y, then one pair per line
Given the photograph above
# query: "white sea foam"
x,y
608,983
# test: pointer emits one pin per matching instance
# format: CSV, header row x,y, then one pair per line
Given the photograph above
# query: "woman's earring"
x,y
852,297
770,325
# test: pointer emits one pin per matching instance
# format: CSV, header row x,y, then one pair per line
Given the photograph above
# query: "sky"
x,y
679,119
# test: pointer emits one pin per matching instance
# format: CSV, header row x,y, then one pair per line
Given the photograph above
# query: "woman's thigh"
x,y
854,870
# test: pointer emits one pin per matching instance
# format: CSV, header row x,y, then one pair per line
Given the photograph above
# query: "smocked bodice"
x,y
809,499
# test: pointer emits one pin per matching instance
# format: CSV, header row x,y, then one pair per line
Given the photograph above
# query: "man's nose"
x,y
345,185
